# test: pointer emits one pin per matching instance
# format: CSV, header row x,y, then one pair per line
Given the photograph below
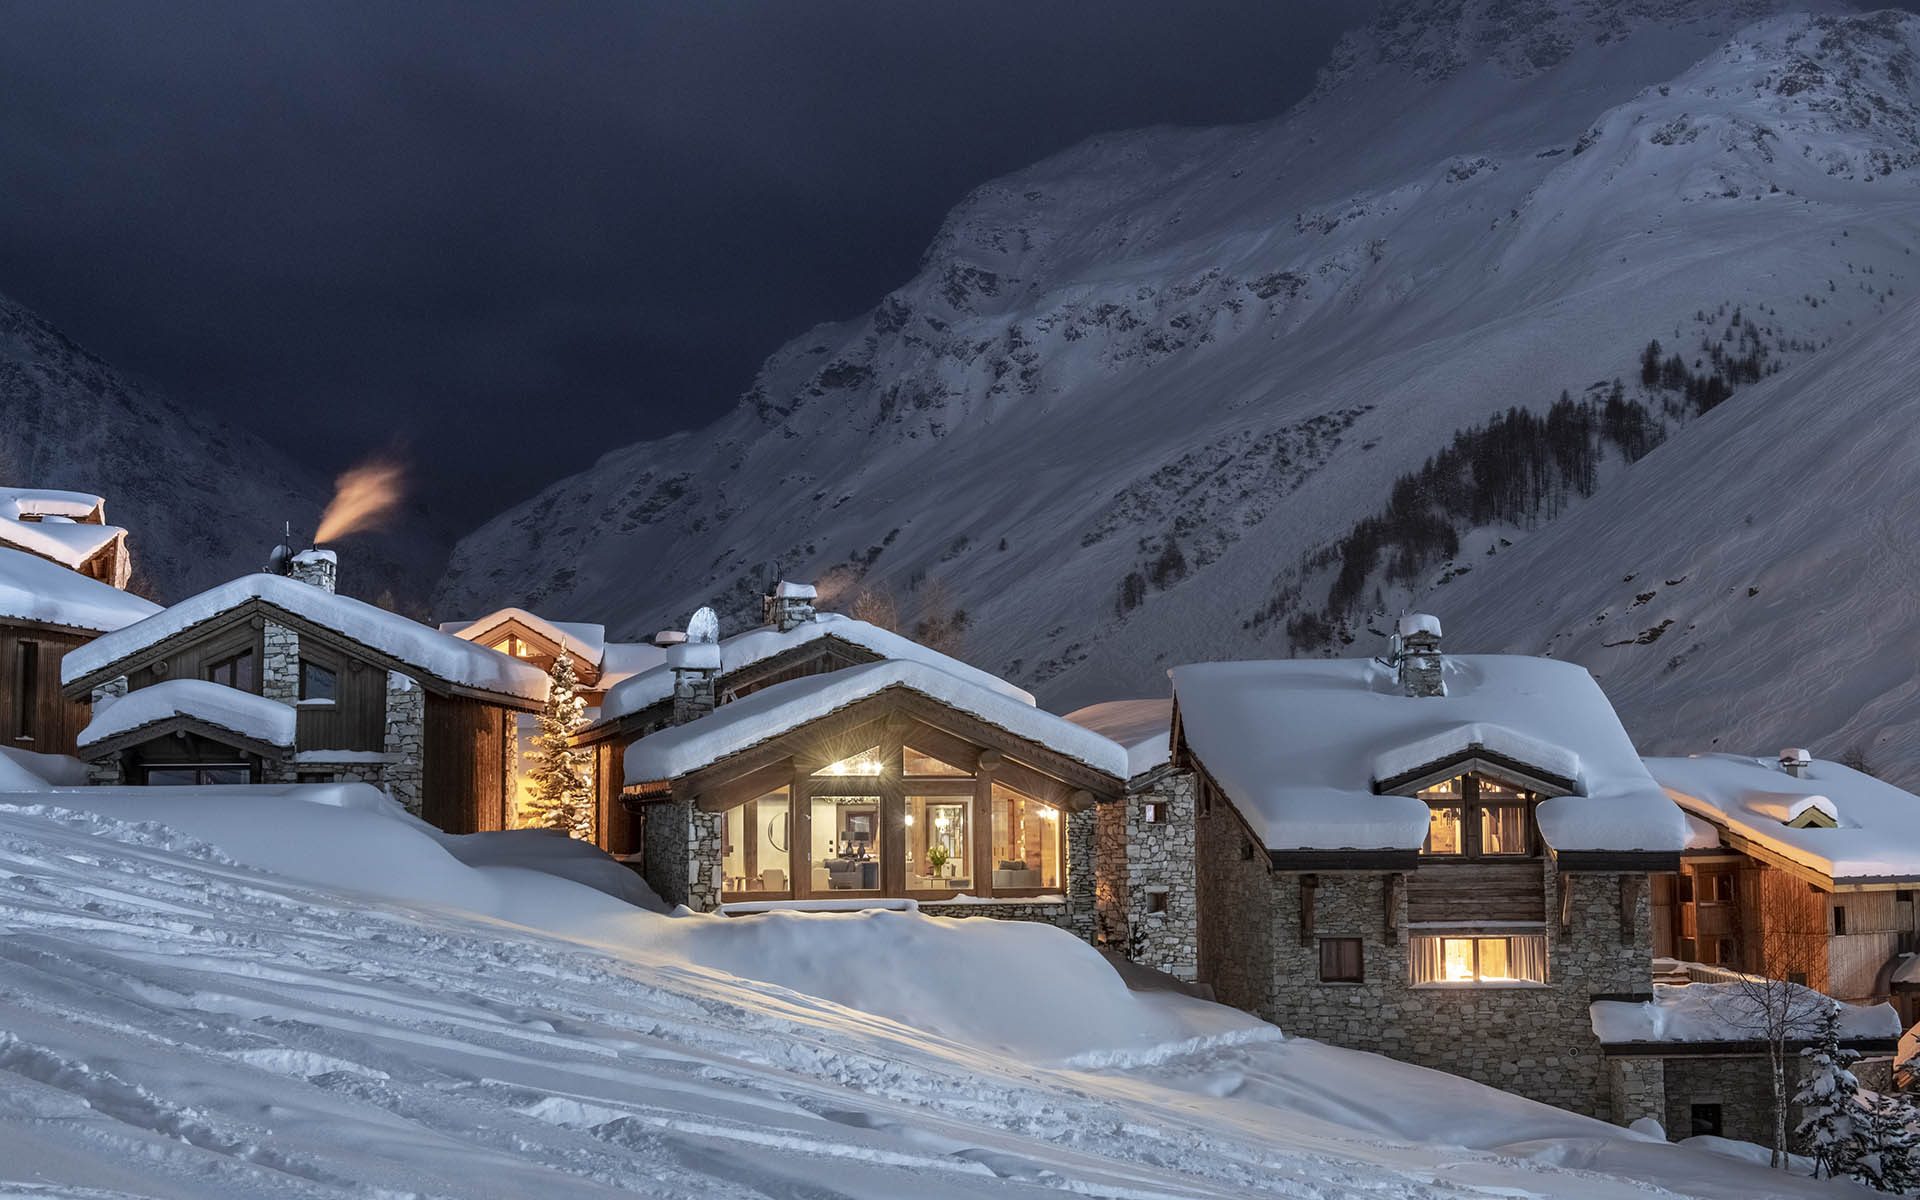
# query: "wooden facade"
x,y
34,714
465,772
897,774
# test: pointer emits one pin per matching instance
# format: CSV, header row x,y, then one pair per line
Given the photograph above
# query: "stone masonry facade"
x,y
1146,902
1533,1040
406,739
280,664
681,853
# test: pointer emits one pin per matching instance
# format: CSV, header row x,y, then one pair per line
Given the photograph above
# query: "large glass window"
x,y
1503,829
1026,841
1476,816
755,856
198,774
866,763
939,831
914,763
1445,834
1469,959
846,844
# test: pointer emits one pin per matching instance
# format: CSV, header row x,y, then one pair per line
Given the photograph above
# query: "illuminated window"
x,y
511,644
1518,958
916,763
1444,832
867,762
1475,816
1503,829
755,854
1026,841
847,844
939,843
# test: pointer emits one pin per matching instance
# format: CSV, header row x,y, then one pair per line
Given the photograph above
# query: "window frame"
x,y
332,672
1472,817
1358,946
26,685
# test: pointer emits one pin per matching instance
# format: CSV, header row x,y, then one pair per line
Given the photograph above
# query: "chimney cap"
x,y
670,637
315,555
788,590
1796,756
1419,623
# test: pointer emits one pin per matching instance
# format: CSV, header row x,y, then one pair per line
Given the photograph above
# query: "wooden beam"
x,y
1629,906
739,790
1308,885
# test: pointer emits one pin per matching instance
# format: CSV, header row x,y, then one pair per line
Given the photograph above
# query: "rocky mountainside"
x,y
1141,395
1750,584
202,502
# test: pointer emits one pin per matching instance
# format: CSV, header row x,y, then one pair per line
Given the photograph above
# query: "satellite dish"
x,y
703,626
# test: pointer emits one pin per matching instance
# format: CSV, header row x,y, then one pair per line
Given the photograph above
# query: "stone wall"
x,y
1110,874
1159,860
663,849
1742,1085
1234,903
1637,1087
406,737
1080,872
706,844
1043,913
280,664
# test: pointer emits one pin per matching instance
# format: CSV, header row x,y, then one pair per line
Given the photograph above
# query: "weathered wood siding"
x,y
192,660
41,720
464,777
619,830
1664,899
1455,893
356,720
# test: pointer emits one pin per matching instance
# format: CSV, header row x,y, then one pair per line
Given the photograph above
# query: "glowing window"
x,y
1444,830
867,762
1517,958
916,763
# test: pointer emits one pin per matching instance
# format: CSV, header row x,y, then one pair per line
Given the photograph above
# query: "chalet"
x,y
821,761
1802,869
69,528
1439,857
794,642
599,664
272,678
47,610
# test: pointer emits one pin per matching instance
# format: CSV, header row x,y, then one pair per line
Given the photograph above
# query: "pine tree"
x,y
1886,1159
562,795
1829,1100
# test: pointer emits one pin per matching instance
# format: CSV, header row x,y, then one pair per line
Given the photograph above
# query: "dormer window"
x,y
1813,812
1474,815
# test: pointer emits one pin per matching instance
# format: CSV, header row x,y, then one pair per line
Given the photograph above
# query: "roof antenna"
x,y
280,558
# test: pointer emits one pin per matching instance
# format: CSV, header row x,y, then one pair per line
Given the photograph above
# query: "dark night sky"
x,y
439,224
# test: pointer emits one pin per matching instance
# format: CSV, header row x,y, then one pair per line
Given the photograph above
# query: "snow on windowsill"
x,y
313,704
964,898
741,908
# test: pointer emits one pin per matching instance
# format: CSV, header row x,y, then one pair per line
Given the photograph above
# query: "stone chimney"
x,y
790,605
317,567
1795,761
1417,655
695,663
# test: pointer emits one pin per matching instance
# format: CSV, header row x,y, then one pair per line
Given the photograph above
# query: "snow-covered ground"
x,y
299,992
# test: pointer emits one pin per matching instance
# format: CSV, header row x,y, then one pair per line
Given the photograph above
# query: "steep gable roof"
x,y
437,658
34,589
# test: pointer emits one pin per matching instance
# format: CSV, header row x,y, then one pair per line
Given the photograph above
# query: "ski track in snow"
x,y
173,1024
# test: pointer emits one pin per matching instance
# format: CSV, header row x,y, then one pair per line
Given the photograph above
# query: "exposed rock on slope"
x,y
1136,386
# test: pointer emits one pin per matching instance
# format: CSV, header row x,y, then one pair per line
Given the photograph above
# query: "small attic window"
x,y
1813,812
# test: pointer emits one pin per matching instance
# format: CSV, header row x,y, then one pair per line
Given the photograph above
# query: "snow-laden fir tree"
x,y
1887,1140
562,794
1829,1100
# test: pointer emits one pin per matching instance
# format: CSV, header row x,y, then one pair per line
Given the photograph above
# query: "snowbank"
x,y
1718,1012
1878,833
651,687
25,771
770,712
216,704
437,654
1296,745
33,589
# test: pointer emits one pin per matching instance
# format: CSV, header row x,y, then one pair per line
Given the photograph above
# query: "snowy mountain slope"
x,y
1135,385
202,502
1750,584
174,1023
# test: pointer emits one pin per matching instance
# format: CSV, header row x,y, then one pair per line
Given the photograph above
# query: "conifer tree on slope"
x,y
562,796
1829,1099
1886,1150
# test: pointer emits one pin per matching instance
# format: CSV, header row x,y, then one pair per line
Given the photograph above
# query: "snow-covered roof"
x,y
795,591
1720,1012
1878,834
651,687
1144,727
773,711
33,589
66,542
1297,744
585,641
438,655
216,704
47,502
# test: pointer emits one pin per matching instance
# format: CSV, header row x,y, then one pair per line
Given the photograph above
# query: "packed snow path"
x,y
176,1024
